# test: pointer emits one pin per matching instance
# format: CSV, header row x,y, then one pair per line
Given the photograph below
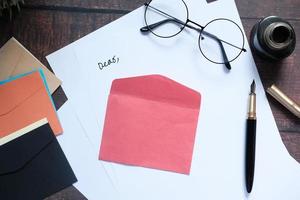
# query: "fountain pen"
x,y
250,139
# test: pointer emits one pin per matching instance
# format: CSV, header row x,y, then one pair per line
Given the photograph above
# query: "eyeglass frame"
x,y
200,29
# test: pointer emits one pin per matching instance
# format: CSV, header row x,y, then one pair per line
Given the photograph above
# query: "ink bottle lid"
x,y
273,38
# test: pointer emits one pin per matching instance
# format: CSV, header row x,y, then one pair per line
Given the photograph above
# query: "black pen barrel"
x,y
250,153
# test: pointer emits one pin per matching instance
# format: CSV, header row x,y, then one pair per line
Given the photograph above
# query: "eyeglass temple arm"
x,y
225,58
157,24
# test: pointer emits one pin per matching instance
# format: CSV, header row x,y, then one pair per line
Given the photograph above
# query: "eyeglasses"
x,y
220,41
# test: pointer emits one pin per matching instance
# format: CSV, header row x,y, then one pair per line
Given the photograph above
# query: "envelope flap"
x,y
157,88
13,93
10,54
19,152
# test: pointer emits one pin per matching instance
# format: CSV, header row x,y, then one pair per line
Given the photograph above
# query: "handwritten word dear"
x,y
107,63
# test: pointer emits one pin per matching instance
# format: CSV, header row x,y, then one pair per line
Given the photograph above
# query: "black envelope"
x,y
33,166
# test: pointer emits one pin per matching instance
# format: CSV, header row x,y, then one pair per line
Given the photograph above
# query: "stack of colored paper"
x,y
33,166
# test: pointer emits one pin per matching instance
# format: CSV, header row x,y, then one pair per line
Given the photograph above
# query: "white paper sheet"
x,y
92,179
218,161
79,98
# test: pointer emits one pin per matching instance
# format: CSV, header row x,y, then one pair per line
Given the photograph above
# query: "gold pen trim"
x,y
252,106
284,100
252,102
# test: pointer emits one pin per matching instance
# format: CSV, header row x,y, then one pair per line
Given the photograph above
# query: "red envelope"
x,y
151,122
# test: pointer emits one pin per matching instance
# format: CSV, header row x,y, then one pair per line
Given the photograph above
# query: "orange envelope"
x,y
25,100
151,122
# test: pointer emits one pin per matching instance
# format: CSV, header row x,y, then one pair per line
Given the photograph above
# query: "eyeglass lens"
x,y
166,11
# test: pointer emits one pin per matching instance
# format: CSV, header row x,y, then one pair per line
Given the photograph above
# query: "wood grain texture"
x,y
252,9
292,141
46,26
289,9
100,5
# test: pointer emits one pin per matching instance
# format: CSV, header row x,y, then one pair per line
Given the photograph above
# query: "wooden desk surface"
x,y
45,26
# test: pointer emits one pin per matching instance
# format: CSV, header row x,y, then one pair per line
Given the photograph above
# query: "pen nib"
x,y
253,87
